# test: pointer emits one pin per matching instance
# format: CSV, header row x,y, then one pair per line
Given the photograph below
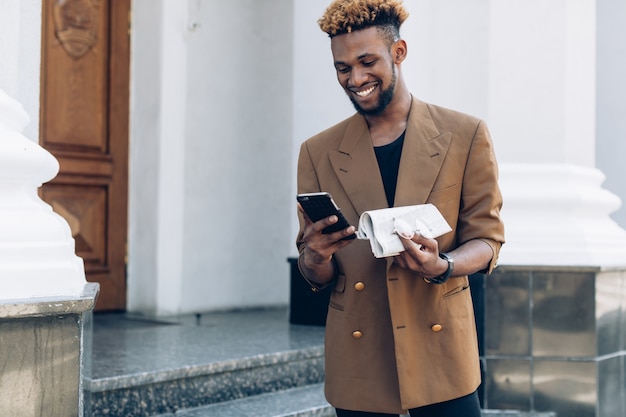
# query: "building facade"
x,y
223,93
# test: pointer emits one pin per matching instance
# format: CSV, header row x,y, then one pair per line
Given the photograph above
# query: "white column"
x,y
172,142
528,67
20,43
37,256
542,103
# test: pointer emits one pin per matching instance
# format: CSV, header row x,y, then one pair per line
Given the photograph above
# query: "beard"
x,y
384,98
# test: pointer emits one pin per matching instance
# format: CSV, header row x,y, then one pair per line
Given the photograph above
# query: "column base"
x,y
559,215
554,340
43,354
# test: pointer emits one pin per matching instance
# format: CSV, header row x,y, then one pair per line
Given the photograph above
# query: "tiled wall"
x,y
554,340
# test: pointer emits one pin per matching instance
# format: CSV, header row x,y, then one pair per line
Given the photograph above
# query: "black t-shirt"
x,y
388,157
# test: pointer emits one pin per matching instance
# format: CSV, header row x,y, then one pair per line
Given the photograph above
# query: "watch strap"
x,y
443,277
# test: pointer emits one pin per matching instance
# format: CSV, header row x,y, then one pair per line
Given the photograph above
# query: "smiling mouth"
x,y
365,93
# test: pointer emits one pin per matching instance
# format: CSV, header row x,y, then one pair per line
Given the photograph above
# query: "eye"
x,y
368,63
343,70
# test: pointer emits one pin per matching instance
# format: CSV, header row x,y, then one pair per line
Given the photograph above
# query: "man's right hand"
x,y
319,248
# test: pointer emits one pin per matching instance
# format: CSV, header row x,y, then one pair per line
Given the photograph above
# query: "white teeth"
x,y
365,92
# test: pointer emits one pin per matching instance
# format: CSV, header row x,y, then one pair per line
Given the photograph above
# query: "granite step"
x,y
515,413
307,401
146,369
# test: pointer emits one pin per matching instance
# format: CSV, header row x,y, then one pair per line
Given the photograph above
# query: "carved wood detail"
x,y
84,208
76,25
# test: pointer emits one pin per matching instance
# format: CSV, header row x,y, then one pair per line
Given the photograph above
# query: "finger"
x,y
339,236
348,231
324,223
410,244
400,261
426,244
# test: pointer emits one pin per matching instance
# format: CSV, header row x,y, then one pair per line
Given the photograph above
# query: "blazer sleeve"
x,y
479,216
306,183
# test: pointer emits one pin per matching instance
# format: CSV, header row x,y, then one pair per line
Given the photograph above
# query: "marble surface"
x,y
47,306
40,366
145,367
41,354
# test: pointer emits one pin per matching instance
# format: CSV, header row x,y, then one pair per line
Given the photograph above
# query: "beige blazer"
x,y
394,342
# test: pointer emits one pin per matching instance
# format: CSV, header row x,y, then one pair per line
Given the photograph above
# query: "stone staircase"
x,y
146,368
219,365
307,401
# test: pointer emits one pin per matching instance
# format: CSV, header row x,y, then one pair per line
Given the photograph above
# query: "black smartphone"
x,y
320,205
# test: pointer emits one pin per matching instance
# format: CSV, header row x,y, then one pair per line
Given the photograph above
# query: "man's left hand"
x,y
421,255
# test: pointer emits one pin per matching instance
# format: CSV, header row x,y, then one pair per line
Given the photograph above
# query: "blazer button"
x,y
357,334
436,327
359,286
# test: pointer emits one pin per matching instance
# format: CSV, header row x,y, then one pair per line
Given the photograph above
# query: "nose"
x,y
358,77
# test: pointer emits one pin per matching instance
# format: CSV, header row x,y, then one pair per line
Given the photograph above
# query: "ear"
x,y
399,51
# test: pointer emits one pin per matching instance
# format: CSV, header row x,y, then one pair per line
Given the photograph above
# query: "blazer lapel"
x,y
356,167
422,156
423,153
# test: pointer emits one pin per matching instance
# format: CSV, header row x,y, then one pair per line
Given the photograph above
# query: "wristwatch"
x,y
443,277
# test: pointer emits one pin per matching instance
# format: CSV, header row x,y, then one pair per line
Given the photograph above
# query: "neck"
x,y
389,125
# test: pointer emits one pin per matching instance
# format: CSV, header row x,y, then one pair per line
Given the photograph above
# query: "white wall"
x,y
542,88
448,43
238,155
211,155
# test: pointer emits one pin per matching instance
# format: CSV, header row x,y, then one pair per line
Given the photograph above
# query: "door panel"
x,y
84,124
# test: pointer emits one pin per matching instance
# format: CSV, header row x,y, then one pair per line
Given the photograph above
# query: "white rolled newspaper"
x,y
382,226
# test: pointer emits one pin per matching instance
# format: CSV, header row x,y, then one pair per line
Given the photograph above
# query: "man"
x,y
400,332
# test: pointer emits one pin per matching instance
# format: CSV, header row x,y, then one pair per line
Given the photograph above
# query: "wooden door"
x,y
84,124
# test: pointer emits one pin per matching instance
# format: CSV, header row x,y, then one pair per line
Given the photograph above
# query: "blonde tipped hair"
x,y
345,16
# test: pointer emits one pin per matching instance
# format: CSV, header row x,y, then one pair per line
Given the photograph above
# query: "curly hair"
x,y
345,16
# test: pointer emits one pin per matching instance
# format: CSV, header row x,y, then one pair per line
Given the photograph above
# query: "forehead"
x,y
356,44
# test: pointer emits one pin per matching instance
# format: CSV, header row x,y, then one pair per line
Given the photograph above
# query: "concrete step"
x,y
307,401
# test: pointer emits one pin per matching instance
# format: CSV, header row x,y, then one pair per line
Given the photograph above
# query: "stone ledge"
x,y
50,306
